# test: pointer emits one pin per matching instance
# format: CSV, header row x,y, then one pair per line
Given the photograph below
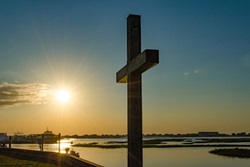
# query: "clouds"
x,y
194,72
12,94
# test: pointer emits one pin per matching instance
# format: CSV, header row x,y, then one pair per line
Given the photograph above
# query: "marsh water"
x,y
158,157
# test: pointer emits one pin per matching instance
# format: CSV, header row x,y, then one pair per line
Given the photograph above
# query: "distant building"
x,y
208,134
3,138
48,138
241,134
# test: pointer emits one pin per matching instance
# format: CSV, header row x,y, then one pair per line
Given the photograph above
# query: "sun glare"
x,y
62,96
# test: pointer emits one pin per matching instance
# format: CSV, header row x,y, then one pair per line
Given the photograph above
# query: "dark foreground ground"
x,y
10,161
40,158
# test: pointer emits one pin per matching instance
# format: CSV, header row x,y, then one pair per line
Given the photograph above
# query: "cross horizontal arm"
x,y
141,63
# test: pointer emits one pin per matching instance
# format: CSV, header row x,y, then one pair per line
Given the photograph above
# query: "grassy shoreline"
x,y
114,146
232,152
178,142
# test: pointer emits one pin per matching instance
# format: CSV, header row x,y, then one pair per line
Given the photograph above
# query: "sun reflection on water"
x,y
65,143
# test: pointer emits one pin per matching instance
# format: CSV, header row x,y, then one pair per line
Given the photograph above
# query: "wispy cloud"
x,y
12,94
194,72
186,73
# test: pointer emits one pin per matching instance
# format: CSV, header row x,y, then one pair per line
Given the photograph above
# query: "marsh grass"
x,y
232,152
224,140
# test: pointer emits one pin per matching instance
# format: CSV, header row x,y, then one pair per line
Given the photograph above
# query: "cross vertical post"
x,y
131,73
134,94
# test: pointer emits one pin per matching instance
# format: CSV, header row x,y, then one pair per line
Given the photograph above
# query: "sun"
x,y
62,96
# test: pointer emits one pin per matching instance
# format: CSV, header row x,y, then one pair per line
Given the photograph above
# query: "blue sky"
x,y
201,83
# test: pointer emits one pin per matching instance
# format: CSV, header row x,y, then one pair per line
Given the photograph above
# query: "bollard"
x,y
59,143
10,141
42,142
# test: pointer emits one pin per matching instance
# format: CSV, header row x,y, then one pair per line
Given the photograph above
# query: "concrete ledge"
x,y
63,160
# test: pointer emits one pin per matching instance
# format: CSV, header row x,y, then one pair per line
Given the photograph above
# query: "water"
x,y
158,157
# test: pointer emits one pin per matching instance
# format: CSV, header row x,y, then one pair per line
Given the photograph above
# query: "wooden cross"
x,y
137,63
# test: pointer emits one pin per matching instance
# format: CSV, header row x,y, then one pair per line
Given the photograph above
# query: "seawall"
x,y
62,160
